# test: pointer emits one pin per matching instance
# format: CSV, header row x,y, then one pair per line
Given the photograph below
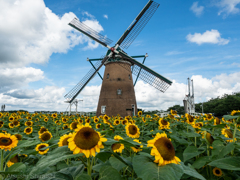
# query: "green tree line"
x,y
218,106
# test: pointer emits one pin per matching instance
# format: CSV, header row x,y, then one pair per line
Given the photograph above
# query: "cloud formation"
x,y
197,10
105,16
227,7
211,37
31,33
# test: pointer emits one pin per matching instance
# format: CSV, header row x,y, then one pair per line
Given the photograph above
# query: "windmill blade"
x,y
146,74
83,28
85,80
138,24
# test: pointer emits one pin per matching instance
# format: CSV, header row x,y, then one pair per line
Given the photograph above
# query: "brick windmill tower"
x,y
117,94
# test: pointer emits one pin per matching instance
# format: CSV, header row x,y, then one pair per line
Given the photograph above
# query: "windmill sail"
x,y
78,25
146,74
85,80
138,24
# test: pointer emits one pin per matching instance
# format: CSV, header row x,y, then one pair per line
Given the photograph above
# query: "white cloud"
x,y
148,98
105,16
31,33
227,7
198,10
18,77
211,37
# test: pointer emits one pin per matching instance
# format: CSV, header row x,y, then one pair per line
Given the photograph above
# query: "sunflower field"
x,y
143,147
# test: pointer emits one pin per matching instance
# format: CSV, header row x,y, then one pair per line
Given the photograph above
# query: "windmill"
x,y
117,94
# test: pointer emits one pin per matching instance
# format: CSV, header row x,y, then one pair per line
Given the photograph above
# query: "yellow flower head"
x,y
132,130
163,150
8,141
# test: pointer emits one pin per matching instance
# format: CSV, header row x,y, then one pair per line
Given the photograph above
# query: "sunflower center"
x,y
45,136
42,130
28,130
116,146
40,147
65,141
217,171
132,129
5,141
165,148
164,122
74,125
86,138
229,133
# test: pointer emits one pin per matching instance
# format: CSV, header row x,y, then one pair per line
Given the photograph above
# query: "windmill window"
x,y
119,92
129,76
103,109
107,76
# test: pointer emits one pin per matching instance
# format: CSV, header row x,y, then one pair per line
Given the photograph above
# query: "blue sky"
x,y
42,58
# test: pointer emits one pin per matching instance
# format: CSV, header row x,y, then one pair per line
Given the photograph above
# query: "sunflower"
x,y
132,131
29,117
139,148
235,112
8,141
1,122
73,125
170,116
163,124
80,121
116,122
96,120
98,126
10,125
217,121
42,130
64,120
105,118
88,120
1,115
209,117
12,161
45,136
173,112
209,138
36,120
46,119
228,134
217,171
140,113
117,147
28,123
163,150
124,122
28,130
11,118
54,115
18,136
144,119
64,140
86,140
197,125
190,119
1,125
65,126
40,146
58,122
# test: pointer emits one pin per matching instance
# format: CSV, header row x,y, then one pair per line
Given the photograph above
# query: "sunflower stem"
x,y
234,134
1,167
89,167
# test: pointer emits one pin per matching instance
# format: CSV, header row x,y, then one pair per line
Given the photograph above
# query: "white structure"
x,y
188,102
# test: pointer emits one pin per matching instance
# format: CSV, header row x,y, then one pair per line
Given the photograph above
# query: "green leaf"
x,y
190,134
179,140
109,173
190,152
103,156
227,117
226,150
116,163
146,169
191,172
27,143
200,162
83,177
217,147
17,167
129,143
229,163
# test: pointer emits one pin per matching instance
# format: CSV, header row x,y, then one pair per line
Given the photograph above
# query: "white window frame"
x,y
103,109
